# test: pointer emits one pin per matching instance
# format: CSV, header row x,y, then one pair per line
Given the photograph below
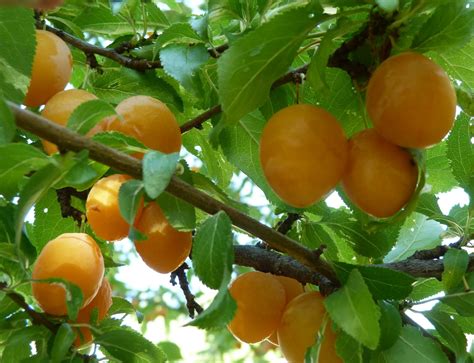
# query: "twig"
x,y
293,76
36,317
87,48
70,140
285,226
191,304
67,210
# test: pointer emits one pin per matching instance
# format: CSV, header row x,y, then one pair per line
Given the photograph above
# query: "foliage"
x,y
235,64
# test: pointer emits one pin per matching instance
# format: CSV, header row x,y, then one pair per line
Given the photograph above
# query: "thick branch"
x,y
292,76
111,53
69,140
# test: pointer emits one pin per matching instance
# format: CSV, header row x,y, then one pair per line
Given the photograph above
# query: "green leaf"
x,y
123,306
120,142
390,325
412,346
100,20
16,160
7,123
34,189
462,302
221,311
316,74
180,214
313,235
240,144
88,114
450,26
74,296
439,176
428,205
461,152
340,99
383,283
63,340
84,173
117,84
449,331
213,253
172,351
374,244
425,288
17,347
203,183
47,209
349,349
158,169
126,345
183,62
353,309
181,33
215,165
156,16
418,233
454,62
253,62
455,263
16,52
130,198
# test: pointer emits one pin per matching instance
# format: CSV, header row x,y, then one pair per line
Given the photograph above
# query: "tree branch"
x,y
292,76
69,140
191,304
111,53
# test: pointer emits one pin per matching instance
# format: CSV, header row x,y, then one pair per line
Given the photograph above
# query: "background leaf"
x,y
353,309
455,264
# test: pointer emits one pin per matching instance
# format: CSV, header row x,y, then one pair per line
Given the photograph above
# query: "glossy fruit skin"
x,y
150,121
293,288
299,326
166,248
411,101
102,208
303,153
260,299
74,257
380,177
60,107
52,68
102,302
